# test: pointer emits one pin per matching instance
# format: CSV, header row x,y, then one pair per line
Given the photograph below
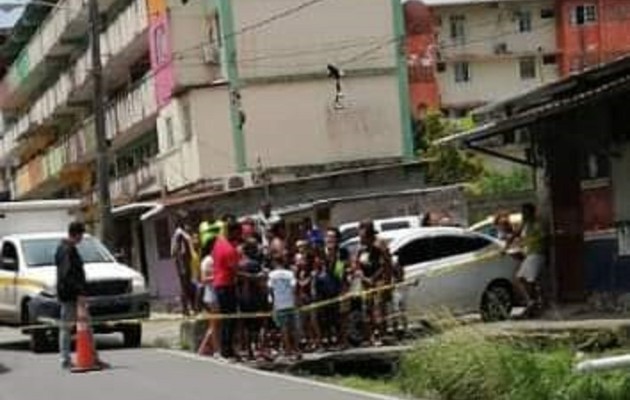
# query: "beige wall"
x,y
212,127
295,123
190,29
307,41
490,81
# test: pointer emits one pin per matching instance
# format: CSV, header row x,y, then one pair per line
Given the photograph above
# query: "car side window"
x,y
415,252
392,226
449,246
9,251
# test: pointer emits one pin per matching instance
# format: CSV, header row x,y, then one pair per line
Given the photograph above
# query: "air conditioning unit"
x,y
211,54
238,181
501,48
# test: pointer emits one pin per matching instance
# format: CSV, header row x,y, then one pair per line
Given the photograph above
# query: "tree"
x,y
447,164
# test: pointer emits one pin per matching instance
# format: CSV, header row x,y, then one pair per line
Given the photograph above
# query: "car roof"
x,y
402,234
40,235
381,221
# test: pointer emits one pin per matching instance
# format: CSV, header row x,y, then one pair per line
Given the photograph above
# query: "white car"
x,y
452,268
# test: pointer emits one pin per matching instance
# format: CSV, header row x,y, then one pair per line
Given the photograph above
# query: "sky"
x,y
9,18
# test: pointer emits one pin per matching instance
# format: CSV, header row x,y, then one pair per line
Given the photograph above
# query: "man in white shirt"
x,y
265,220
282,285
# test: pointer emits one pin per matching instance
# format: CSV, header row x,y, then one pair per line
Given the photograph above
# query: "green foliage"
x,y
447,164
496,183
467,366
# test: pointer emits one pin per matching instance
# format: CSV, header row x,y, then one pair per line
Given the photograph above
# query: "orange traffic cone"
x,y
86,359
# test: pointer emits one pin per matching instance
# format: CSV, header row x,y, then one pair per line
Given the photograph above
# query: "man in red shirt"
x,y
226,258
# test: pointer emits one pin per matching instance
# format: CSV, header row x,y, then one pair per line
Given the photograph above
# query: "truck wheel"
x,y
41,341
132,335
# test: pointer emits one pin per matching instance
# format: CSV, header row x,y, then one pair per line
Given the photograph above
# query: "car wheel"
x,y
42,341
355,328
132,335
497,303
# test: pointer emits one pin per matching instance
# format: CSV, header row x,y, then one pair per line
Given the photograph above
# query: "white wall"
x,y
308,40
621,183
295,123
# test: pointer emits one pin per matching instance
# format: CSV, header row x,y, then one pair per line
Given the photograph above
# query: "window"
x,y
415,252
584,14
524,21
9,252
449,246
458,30
160,45
41,252
595,166
549,59
392,226
163,238
462,71
527,67
170,134
547,13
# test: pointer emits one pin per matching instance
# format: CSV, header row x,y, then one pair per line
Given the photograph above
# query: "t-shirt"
x,y
206,269
282,284
226,258
533,238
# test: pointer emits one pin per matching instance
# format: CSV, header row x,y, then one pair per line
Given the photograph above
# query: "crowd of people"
x,y
278,293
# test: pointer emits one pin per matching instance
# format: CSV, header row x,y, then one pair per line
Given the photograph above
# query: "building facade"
x,y
201,95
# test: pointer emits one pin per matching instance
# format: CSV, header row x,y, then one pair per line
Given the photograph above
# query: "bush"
x,y
466,366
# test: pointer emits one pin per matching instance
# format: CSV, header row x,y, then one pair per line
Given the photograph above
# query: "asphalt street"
x,y
149,374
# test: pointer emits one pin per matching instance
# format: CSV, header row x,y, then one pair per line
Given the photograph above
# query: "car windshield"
x,y
41,252
352,246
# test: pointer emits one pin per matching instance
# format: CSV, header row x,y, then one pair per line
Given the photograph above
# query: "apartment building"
x,y
200,91
481,50
48,143
465,53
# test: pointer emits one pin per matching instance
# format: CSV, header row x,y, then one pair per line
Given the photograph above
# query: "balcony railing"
x,y
44,43
131,108
120,34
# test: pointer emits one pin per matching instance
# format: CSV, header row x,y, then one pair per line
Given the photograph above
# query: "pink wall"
x,y
162,58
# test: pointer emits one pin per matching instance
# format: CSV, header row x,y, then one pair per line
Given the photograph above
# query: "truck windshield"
x,y
41,252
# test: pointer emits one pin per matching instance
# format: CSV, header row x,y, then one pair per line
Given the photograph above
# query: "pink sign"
x,y
162,66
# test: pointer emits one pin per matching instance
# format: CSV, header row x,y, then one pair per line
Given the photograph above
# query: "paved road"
x,y
149,374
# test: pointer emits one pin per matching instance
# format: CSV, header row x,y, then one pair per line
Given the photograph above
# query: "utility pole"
x,y
102,159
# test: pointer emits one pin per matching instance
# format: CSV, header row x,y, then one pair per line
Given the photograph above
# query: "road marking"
x,y
275,375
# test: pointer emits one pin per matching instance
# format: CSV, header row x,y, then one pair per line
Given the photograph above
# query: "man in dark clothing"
x,y
71,286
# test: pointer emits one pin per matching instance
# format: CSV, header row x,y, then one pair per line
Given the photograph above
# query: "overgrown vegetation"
x,y
465,365
450,165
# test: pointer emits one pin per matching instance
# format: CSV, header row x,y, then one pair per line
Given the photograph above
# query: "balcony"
x,y
131,115
143,181
123,41
47,50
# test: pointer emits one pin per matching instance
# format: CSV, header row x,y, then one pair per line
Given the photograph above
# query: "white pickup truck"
x,y
29,235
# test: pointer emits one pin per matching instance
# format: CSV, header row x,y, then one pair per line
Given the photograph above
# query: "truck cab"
x,y
116,293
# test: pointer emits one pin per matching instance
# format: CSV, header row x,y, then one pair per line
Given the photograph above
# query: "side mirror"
x,y
9,264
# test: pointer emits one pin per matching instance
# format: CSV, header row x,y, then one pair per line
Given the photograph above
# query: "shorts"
x,y
209,296
286,318
531,267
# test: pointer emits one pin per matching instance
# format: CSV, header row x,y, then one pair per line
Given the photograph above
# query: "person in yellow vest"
x,y
209,229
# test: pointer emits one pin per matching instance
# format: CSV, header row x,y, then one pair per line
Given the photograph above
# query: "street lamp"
x,y
102,157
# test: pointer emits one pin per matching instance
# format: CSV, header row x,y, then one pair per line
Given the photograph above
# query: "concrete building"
x,y
267,100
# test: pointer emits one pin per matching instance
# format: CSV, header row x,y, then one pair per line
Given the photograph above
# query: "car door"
x,y
443,264
9,263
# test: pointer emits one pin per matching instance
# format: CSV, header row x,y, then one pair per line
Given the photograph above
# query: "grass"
x,y
465,365
387,387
